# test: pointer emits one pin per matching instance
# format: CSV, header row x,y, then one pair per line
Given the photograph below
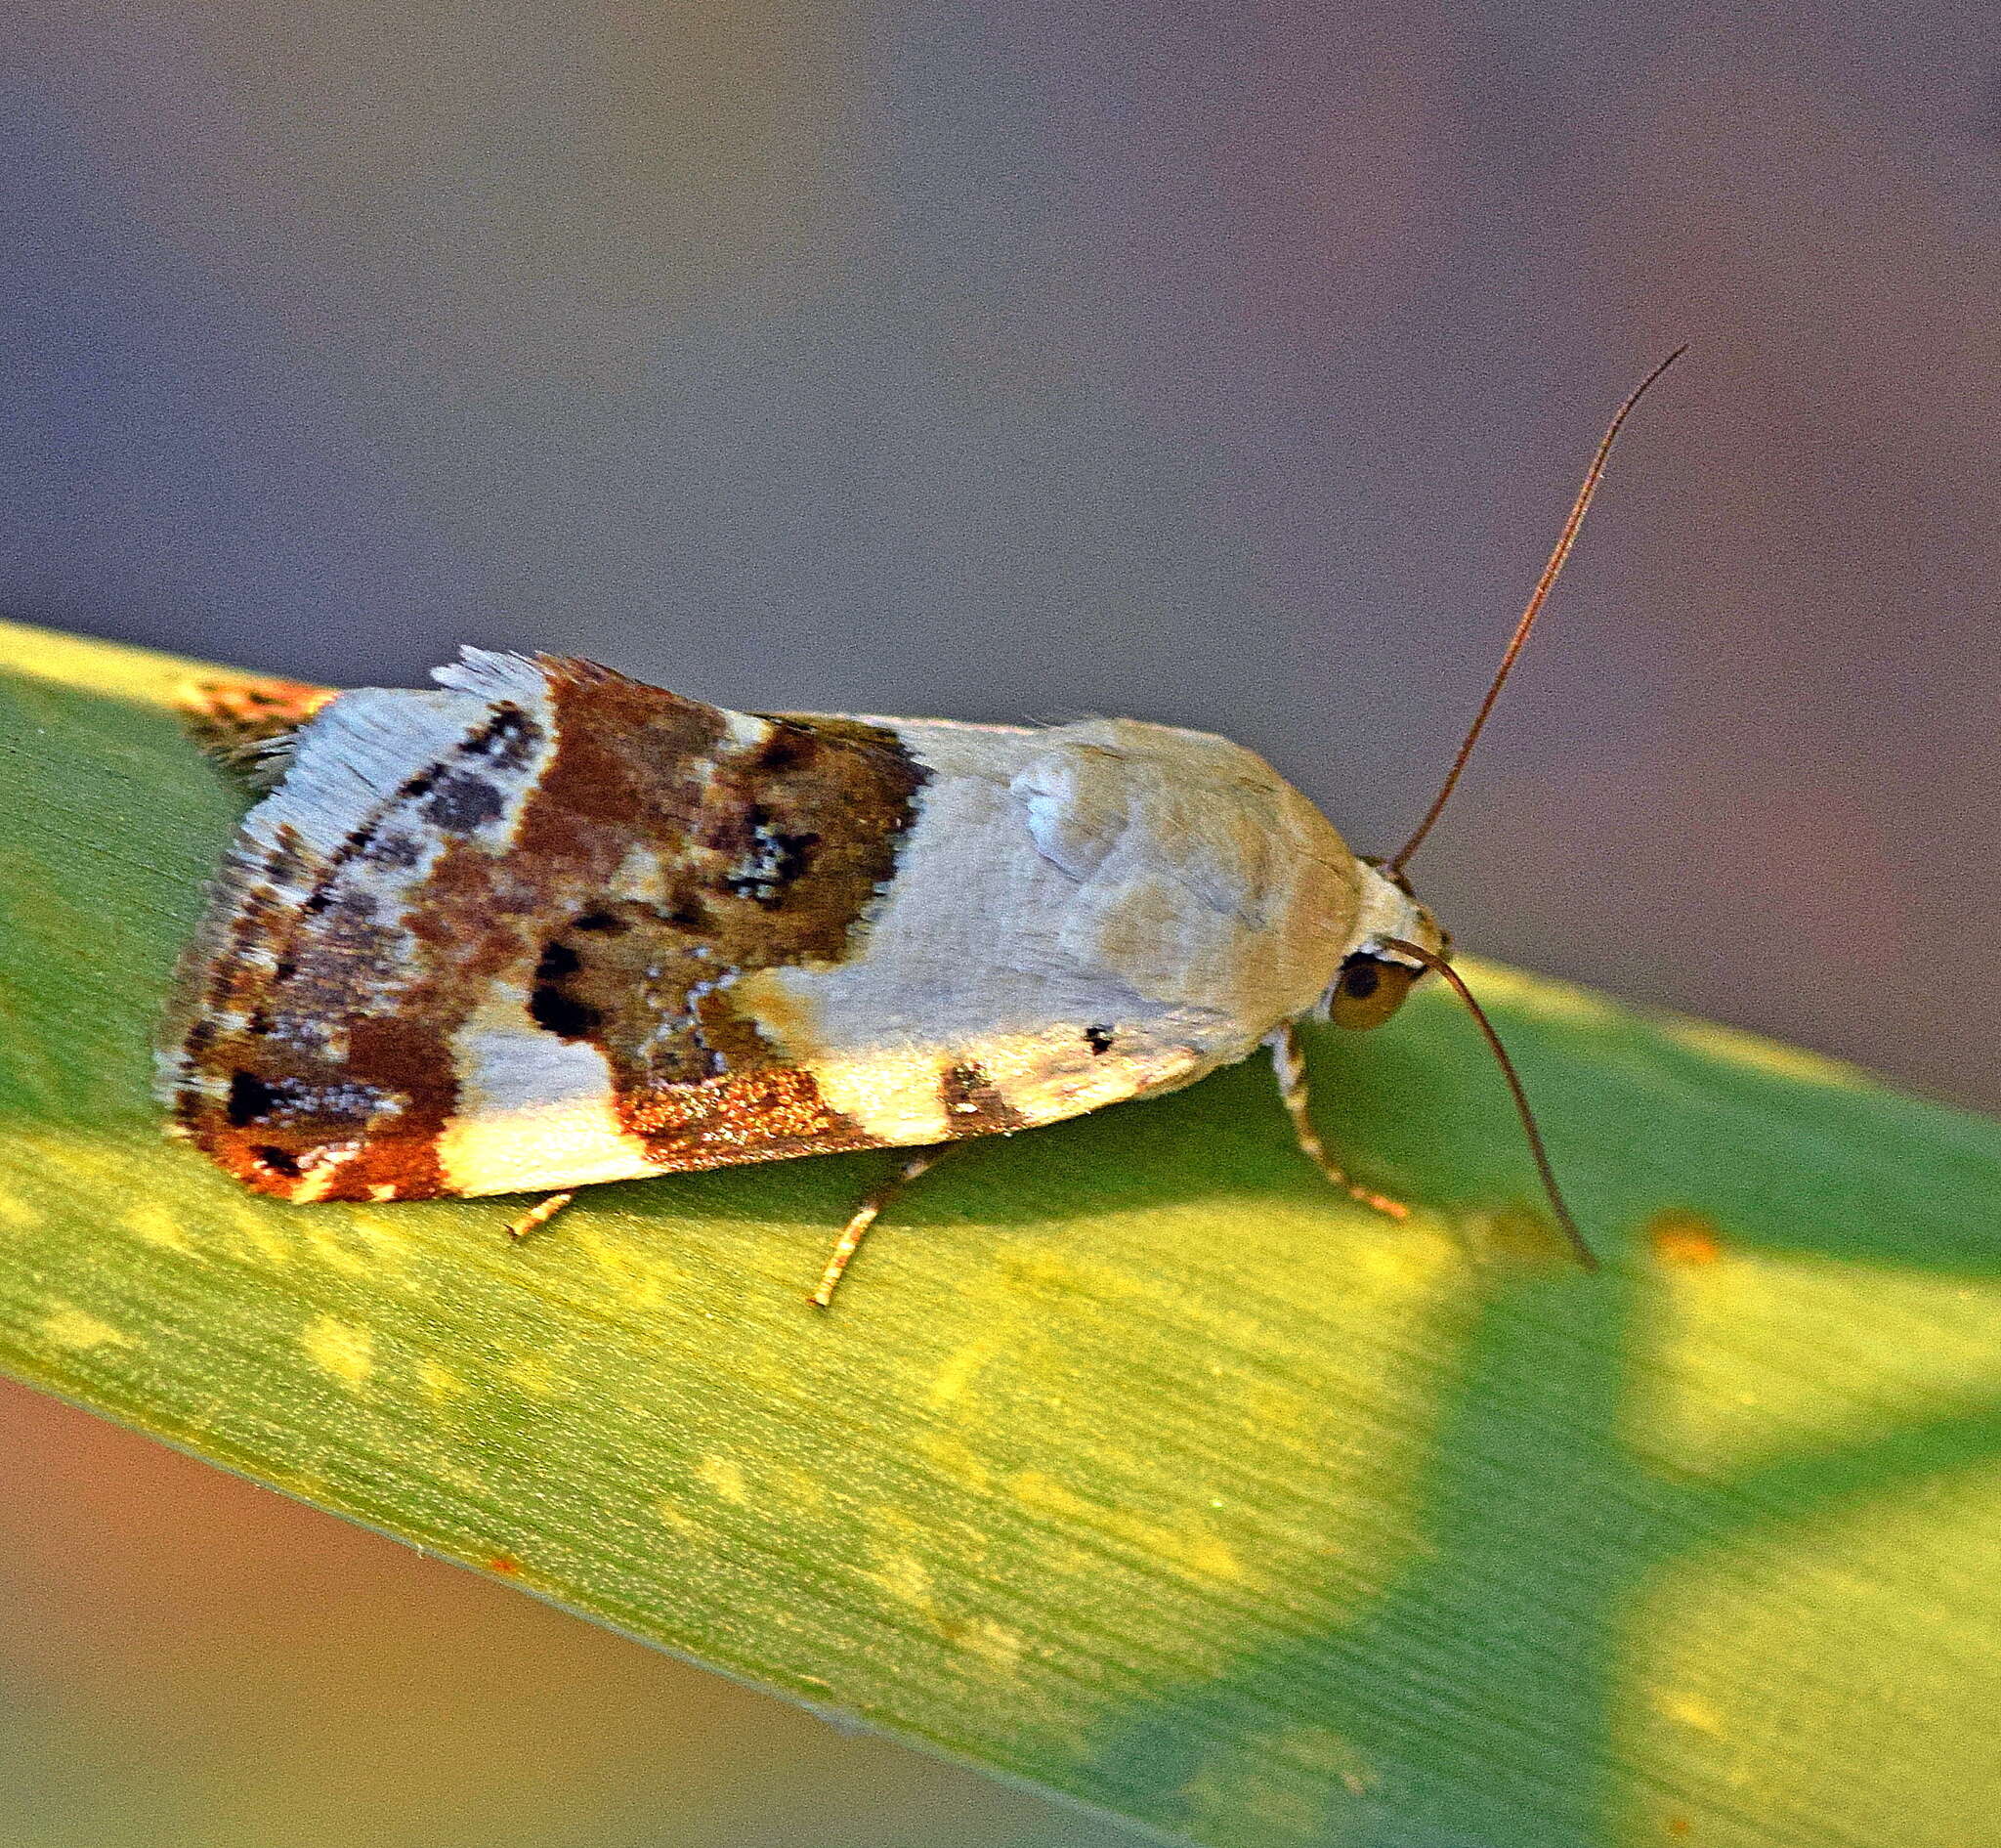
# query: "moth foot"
x,y
539,1214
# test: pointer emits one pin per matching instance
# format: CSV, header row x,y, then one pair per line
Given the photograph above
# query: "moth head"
x,y
1375,974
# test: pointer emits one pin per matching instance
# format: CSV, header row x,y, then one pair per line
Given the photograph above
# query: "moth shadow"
x,y
1554,1582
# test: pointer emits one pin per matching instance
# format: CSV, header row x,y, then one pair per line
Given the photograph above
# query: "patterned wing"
x,y
485,938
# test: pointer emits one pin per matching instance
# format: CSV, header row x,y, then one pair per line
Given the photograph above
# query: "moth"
x,y
542,925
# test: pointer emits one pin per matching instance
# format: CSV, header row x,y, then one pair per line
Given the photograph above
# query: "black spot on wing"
x,y
462,803
461,798
551,1005
506,740
251,1099
786,749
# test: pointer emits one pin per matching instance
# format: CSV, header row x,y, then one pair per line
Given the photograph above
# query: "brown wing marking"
x,y
786,844
973,1103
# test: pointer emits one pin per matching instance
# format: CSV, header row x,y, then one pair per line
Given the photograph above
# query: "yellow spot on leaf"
x,y
673,1516
997,1646
535,1373
16,1215
1271,1407
339,1347
1279,1805
797,1487
1692,1711
384,1234
155,1225
956,1374
332,1252
1413,1256
439,1382
1192,1551
1280,1779
254,1223
904,1576
724,1475
449,1468
77,1329
956,1459
1053,1270
641,1281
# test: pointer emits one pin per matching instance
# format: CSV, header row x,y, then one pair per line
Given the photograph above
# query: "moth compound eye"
x,y
1369,990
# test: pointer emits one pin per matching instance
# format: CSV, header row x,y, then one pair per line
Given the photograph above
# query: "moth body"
x,y
544,926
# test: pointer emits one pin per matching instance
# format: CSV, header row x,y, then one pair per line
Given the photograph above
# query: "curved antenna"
x,y
1433,961
1565,540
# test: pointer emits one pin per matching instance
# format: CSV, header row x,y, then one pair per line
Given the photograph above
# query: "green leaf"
x,y
1133,1462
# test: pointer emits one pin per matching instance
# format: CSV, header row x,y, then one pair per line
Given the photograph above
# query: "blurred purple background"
x,y
1224,364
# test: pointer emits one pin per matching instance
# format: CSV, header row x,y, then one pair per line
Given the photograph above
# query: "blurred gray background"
x,y
1220,364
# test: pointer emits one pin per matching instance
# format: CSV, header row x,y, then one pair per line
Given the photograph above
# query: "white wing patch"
x,y
534,1111
1083,915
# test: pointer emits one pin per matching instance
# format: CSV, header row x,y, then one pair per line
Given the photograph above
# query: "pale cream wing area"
x,y
1079,916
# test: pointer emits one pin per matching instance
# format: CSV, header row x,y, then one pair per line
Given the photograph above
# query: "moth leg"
x,y
541,1214
246,723
1289,1062
867,1214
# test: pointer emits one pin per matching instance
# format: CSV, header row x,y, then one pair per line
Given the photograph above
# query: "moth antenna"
x,y
1433,961
1551,571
